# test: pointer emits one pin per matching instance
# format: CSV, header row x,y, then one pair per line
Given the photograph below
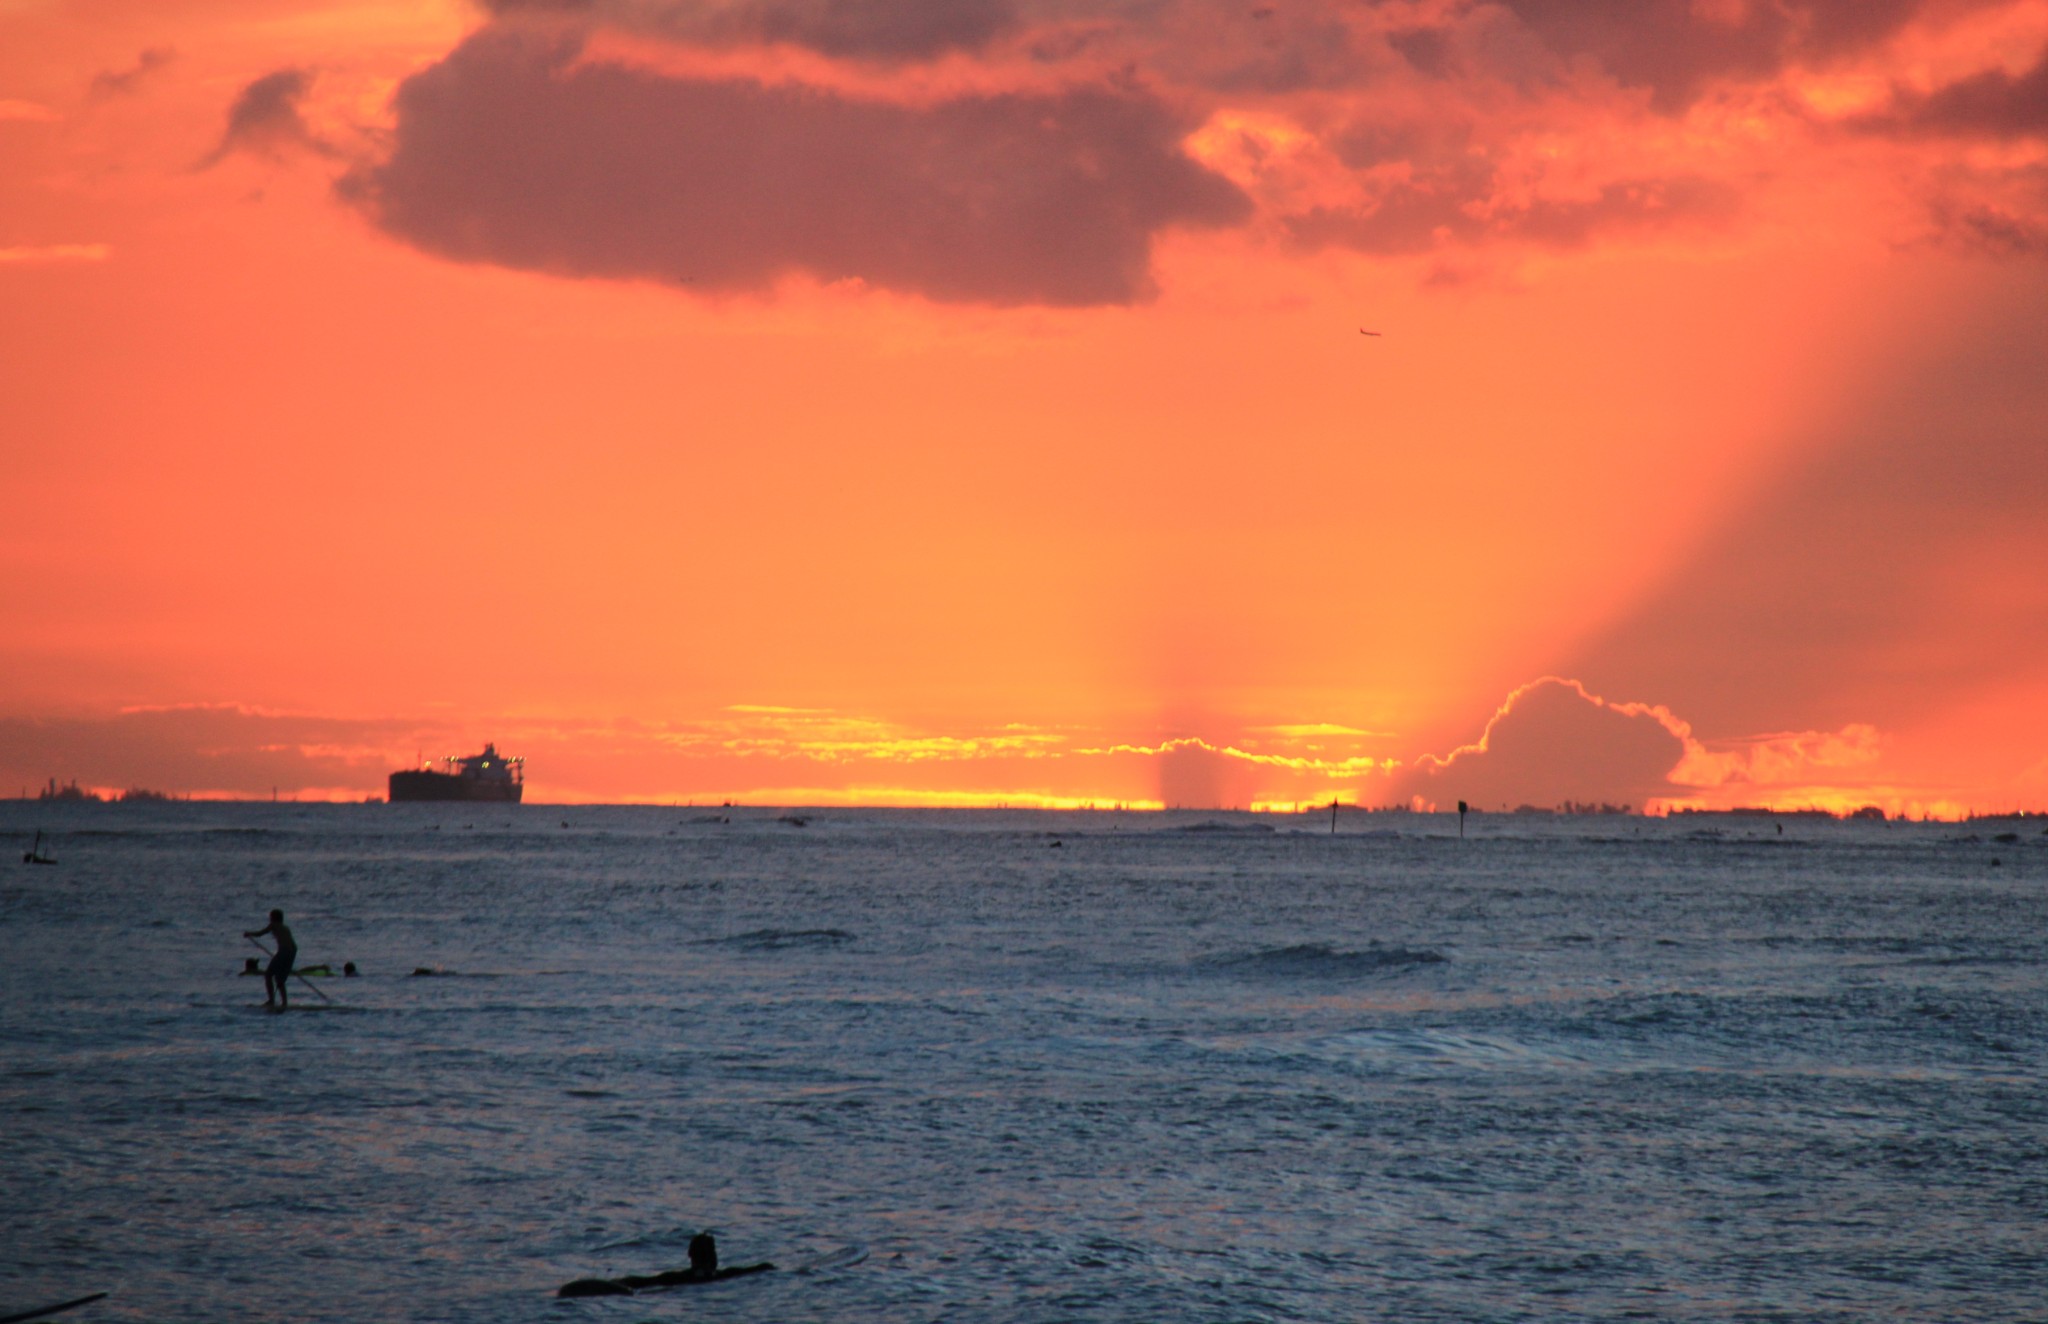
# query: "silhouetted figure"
x,y
703,1269
279,973
348,969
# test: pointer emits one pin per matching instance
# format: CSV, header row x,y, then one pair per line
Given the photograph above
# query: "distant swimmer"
x,y
280,971
703,1269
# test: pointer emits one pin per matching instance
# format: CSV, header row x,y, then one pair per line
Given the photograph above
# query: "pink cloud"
x,y
1018,152
121,82
265,120
1989,104
1782,759
860,29
516,151
1553,741
1677,48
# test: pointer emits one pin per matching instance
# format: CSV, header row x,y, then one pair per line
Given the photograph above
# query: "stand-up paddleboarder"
x,y
279,973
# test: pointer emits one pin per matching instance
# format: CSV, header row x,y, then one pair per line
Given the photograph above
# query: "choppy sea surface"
x,y
970,1066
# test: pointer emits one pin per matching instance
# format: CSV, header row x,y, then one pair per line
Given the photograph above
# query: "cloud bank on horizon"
x,y
1020,152
1551,744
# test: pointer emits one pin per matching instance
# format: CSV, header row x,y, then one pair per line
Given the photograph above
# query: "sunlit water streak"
x,y
1597,1069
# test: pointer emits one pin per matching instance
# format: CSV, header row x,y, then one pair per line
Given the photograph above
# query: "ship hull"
x,y
412,787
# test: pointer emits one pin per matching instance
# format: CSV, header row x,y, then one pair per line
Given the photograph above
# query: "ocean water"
x,y
1021,1066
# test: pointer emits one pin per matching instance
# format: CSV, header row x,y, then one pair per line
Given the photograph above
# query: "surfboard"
x,y
629,1285
40,1311
633,1285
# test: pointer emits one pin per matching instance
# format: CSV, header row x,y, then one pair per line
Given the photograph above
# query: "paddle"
x,y
49,1310
295,974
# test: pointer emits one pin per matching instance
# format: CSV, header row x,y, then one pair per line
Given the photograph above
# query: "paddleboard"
x,y
633,1285
41,1311
629,1285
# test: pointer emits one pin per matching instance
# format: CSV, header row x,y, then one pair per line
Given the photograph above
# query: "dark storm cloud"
x,y
1978,204
1550,743
1675,48
1294,50
1992,104
1189,43
265,119
510,151
1993,231
885,30
1427,50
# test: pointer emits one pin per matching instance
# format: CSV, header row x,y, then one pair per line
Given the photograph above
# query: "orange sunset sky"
x,y
886,401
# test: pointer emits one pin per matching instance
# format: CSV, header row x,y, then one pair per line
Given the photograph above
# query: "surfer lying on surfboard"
x,y
703,1269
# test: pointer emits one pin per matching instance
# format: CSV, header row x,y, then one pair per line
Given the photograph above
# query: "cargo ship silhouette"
x,y
488,776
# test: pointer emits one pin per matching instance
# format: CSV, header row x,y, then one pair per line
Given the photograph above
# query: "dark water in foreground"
x,y
1180,1067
